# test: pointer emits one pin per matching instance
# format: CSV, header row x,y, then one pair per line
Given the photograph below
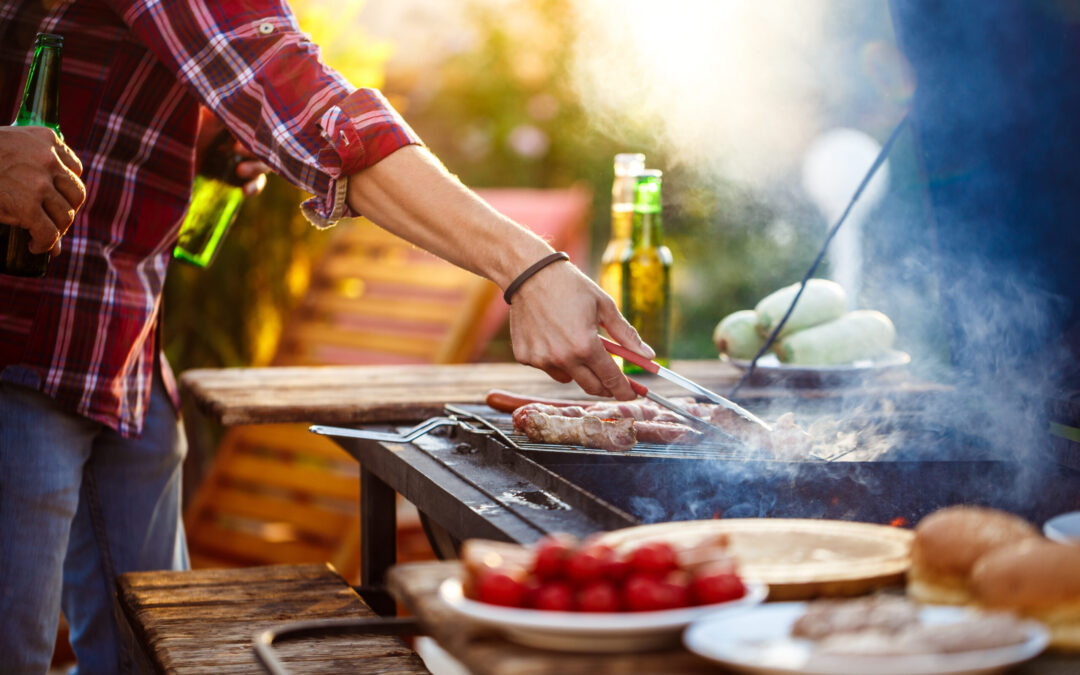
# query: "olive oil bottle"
x,y
646,271
41,108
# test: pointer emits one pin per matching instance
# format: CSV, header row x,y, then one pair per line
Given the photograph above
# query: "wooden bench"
x,y
204,621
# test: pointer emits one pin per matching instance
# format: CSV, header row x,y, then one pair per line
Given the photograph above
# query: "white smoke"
x,y
727,86
737,88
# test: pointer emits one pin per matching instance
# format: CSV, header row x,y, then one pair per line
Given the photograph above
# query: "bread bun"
x,y
949,541
1038,579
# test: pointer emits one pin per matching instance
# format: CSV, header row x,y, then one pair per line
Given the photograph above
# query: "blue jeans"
x,y
79,505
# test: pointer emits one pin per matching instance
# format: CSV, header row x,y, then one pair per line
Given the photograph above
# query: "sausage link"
x,y
506,401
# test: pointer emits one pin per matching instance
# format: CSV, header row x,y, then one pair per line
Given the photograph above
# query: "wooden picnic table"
x,y
373,394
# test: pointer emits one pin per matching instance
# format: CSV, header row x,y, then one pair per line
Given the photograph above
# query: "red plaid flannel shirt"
x,y
134,72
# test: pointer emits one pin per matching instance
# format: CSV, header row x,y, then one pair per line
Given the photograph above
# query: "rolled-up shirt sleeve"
x,y
250,63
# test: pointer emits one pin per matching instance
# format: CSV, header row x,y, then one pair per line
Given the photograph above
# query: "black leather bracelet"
x,y
533,269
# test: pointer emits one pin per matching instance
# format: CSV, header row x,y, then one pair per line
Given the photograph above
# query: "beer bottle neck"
x,y
648,230
41,98
627,166
622,218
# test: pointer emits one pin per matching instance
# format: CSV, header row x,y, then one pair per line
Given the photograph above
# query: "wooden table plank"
x,y
370,394
204,621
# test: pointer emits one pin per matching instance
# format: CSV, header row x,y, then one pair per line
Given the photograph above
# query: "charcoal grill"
x,y
474,476
898,472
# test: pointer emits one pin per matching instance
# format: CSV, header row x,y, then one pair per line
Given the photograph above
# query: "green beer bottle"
x,y
216,196
646,271
40,107
627,166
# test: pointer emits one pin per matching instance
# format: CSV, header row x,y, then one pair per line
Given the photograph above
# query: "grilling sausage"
x,y
638,410
579,433
589,431
505,401
665,433
652,424
518,415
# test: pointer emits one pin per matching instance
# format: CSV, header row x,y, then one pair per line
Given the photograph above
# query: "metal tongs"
x,y
691,386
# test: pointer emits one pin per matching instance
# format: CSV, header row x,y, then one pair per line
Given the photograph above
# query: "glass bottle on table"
x,y
40,107
627,166
646,271
216,196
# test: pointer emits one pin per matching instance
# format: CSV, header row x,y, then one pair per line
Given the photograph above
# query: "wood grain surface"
x,y
204,621
371,394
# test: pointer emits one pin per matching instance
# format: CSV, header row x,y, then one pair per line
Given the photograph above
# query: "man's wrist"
x,y
531,270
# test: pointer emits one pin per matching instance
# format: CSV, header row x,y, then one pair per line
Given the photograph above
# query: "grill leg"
x,y
445,546
378,541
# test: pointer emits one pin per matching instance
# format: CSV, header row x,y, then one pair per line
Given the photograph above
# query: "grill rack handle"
x,y
416,432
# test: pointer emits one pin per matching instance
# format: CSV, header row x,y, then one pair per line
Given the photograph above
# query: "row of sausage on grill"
x,y
617,426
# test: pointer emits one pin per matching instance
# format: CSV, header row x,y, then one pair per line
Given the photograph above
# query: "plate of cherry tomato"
x,y
589,598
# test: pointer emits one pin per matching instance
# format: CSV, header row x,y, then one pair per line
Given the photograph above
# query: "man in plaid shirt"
x,y
90,449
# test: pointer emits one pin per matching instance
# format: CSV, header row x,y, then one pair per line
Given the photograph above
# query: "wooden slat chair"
x,y
279,494
272,495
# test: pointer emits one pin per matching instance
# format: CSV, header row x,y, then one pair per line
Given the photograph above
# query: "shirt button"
x,y
266,28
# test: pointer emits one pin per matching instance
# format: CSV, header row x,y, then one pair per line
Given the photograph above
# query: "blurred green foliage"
x,y
730,247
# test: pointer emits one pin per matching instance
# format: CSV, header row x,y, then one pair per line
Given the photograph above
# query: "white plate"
x,y
1064,528
587,631
768,366
759,641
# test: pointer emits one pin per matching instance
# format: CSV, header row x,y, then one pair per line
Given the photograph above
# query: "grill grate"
x,y
900,437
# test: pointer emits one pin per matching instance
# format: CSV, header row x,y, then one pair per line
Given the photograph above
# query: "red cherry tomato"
x,y
713,586
615,568
642,593
654,559
532,587
675,590
552,553
555,596
589,563
598,596
499,588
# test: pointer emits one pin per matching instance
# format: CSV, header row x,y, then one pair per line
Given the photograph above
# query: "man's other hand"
x,y
250,170
40,188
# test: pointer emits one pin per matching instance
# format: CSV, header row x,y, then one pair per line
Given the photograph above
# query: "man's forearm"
x,y
554,317
410,194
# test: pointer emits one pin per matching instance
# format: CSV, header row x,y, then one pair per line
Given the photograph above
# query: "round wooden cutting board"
x,y
798,558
